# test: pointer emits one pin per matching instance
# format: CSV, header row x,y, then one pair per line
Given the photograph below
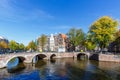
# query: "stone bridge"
x,y
28,57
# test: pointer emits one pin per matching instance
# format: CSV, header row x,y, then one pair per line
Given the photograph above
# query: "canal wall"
x,y
105,57
111,57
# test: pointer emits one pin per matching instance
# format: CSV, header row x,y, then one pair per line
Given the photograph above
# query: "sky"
x,y
26,20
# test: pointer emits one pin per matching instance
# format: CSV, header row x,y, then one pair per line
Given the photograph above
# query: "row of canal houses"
x,y
56,43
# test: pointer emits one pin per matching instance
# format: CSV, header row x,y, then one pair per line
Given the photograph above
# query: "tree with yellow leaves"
x,y
3,45
32,46
102,31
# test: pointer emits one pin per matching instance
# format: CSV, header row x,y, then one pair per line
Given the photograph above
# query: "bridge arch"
x,y
82,55
52,56
38,57
20,59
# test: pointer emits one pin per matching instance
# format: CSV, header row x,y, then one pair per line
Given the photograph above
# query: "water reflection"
x,y
17,68
34,75
14,66
40,63
53,61
64,69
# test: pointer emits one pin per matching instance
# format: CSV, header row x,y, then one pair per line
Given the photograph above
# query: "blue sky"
x,y
25,20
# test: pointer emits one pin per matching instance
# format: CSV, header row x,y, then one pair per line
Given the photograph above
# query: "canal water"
x,y
62,69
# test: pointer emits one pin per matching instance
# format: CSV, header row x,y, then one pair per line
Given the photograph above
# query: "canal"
x,y
62,69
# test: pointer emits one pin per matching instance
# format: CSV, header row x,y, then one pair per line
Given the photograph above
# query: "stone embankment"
x,y
105,57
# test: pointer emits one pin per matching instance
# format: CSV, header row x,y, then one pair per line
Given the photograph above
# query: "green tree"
x,y
76,37
21,46
102,31
42,41
90,45
89,42
32,46
13,45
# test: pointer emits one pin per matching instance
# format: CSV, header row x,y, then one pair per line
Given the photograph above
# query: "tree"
x,y
90,45
117,34
76,37
117,38
13,45
32,46
3,45
102,31
42,41
21,46
89,42
115,45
